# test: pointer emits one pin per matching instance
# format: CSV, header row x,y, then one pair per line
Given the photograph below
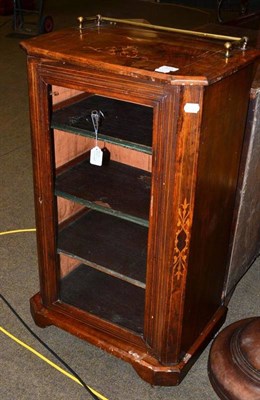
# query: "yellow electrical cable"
x,y
18,231
30,348
48,361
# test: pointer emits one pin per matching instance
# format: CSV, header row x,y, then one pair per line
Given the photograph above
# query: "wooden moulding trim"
x,y
122,70
106,84
187,78
135,352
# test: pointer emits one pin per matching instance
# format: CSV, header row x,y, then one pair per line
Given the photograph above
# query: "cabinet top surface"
x,y
135,51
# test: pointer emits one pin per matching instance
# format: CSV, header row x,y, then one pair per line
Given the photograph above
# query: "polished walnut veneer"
x,y
139,273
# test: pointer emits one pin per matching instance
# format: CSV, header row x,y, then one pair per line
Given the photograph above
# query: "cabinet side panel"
x,y
68,146
225,108
60,94
67,264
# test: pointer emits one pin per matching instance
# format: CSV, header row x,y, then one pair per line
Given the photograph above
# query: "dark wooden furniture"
x,y
234,361
245,237
133,255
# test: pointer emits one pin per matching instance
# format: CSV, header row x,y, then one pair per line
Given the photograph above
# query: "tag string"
x,y
95,121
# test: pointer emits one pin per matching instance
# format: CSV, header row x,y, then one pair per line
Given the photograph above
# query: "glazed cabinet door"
x,y
103,254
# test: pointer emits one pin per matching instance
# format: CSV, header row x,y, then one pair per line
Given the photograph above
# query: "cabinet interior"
x,y
103,211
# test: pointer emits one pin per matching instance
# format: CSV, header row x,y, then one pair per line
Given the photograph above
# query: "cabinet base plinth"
x,y
137,354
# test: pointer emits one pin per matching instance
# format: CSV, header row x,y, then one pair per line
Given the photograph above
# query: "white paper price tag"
x,y
192,108
165,69
96,156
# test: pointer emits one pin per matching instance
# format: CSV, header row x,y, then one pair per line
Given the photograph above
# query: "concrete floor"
x,y
22,374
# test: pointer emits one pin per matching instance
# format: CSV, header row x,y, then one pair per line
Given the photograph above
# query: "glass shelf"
x,y
102,295
115,189
125,124
114,246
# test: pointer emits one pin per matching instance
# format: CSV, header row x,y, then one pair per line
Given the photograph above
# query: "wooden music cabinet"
x,y
133,254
